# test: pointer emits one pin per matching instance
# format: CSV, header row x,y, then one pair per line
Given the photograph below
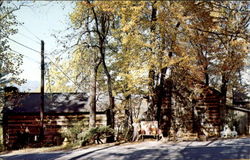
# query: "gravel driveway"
x,y
151,150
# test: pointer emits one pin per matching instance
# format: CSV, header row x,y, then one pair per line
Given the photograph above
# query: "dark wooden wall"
x,y
209,108
18,127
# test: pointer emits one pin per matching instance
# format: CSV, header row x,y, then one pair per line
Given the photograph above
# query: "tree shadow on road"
x,y
34,156
232,142
90,152
151,154
219,150
212,151
215,153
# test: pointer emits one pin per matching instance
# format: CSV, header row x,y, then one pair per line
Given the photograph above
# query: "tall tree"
x,y
87,39
166,50
96,24
9,62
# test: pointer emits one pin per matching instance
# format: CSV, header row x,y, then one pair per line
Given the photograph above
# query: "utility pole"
x,y
42,92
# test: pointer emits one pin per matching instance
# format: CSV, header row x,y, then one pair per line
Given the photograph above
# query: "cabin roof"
x,y
53,103
213,91
247,110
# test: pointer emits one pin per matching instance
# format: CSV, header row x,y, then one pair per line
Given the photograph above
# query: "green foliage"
x,y
9,62
125,135
80,134
71,133
95,133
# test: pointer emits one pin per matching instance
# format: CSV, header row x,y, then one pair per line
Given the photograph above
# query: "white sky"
x,y
41,20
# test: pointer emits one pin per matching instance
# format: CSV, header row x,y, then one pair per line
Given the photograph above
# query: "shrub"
x,y
80,134
71,133
95,134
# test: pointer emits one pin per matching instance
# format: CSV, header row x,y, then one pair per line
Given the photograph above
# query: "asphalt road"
x,y
230,149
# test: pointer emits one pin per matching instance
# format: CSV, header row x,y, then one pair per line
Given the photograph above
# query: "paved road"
x,y
151,150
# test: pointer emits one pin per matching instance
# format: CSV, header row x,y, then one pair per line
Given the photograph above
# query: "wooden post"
x,y
42,92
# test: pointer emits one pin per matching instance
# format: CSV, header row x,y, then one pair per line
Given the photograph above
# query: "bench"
x,y
189,136
149,129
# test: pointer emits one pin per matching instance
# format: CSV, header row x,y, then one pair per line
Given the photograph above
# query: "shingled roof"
x,y
54,103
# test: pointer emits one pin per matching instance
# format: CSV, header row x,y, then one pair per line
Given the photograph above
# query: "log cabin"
x,y
210,112
21,117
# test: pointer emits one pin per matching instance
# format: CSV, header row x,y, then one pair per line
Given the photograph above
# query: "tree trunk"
x,y
164,95
151,110
111,114
160,94
206,76
224,90
92,98
223,98
128,112
102,28
166,108
151,114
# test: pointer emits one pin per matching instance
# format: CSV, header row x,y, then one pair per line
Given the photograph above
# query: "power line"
x,y
24,45
29,38
25,56
63,73
27,46
50,61
31,32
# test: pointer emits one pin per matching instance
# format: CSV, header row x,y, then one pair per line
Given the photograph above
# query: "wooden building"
x,y
239,112
240,118
21,118
210,112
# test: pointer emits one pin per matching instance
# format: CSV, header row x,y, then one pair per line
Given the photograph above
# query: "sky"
x,y
40,21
